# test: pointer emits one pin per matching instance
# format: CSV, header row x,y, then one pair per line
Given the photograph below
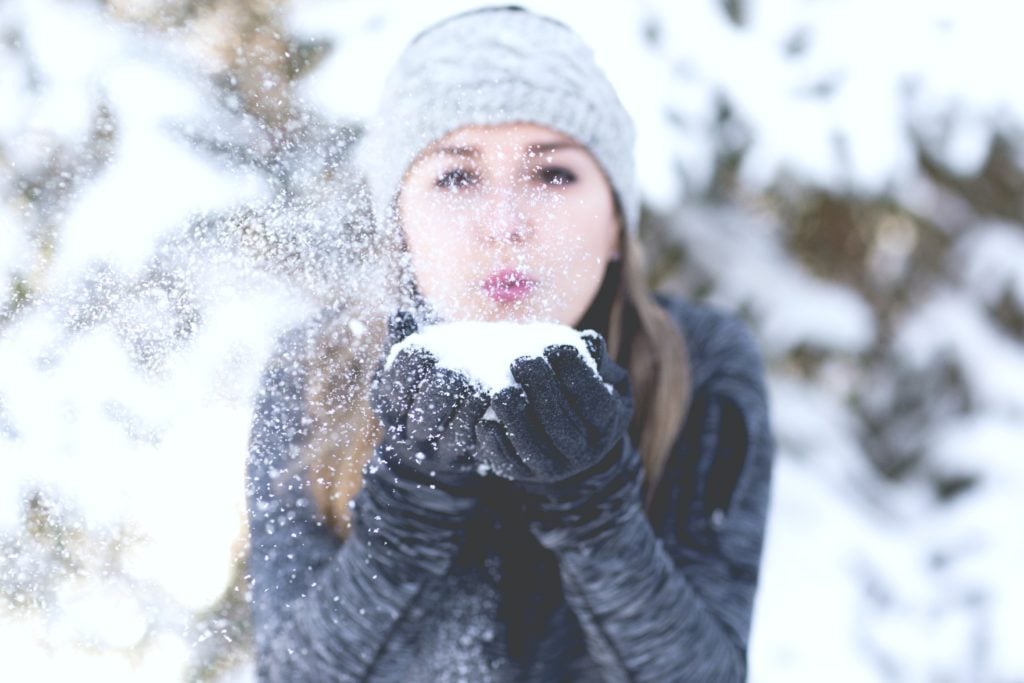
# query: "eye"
x,y
556,175
456,179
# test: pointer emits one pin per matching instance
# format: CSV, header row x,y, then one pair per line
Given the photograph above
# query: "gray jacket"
x,y
629,595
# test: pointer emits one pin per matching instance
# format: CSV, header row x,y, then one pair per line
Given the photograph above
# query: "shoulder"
x,y
297,342
279,409
719,344
298,346
717,478
287,369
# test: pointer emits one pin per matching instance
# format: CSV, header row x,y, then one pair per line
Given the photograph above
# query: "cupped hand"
x,y
429,414
561,419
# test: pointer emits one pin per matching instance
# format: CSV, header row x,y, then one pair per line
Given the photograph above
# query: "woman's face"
x,y
508,222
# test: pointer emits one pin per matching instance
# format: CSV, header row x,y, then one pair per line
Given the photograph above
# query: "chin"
x,y
488,310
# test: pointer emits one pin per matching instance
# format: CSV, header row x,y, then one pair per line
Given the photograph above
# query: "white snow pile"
x,y
484,351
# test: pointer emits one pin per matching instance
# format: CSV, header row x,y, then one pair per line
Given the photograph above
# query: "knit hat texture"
x,y
491,66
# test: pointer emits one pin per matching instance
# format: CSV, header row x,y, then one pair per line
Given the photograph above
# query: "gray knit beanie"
x,y
491,66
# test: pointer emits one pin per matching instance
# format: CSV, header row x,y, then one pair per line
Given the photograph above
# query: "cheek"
x,y
441,255
575,266
582,252
432,260
585,235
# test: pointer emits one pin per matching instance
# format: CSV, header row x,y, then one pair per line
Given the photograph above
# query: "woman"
x,y
586,533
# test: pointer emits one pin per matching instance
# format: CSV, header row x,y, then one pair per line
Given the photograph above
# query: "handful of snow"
x,y
484,351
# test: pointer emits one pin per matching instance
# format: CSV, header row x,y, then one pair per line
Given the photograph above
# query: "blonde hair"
x,y
344,430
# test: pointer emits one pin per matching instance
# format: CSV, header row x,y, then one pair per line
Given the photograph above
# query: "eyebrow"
x,y
534,148
542,147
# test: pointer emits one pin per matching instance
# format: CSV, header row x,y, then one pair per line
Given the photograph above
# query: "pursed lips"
x,y
508,285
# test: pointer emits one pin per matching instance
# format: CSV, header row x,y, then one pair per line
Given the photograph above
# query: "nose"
x,y
507,219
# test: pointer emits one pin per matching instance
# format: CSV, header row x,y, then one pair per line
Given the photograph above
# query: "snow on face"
x,y
485,351
508,222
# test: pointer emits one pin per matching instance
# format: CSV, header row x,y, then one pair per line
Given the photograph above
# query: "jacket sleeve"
x,y
323,609
669,597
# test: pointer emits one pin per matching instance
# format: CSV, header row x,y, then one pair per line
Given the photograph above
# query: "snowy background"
x,y
848,175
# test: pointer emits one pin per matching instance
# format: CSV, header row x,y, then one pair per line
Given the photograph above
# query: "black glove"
x,y
429,414
411,512
562,420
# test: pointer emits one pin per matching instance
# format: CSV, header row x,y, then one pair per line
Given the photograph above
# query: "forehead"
x,y
506,137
